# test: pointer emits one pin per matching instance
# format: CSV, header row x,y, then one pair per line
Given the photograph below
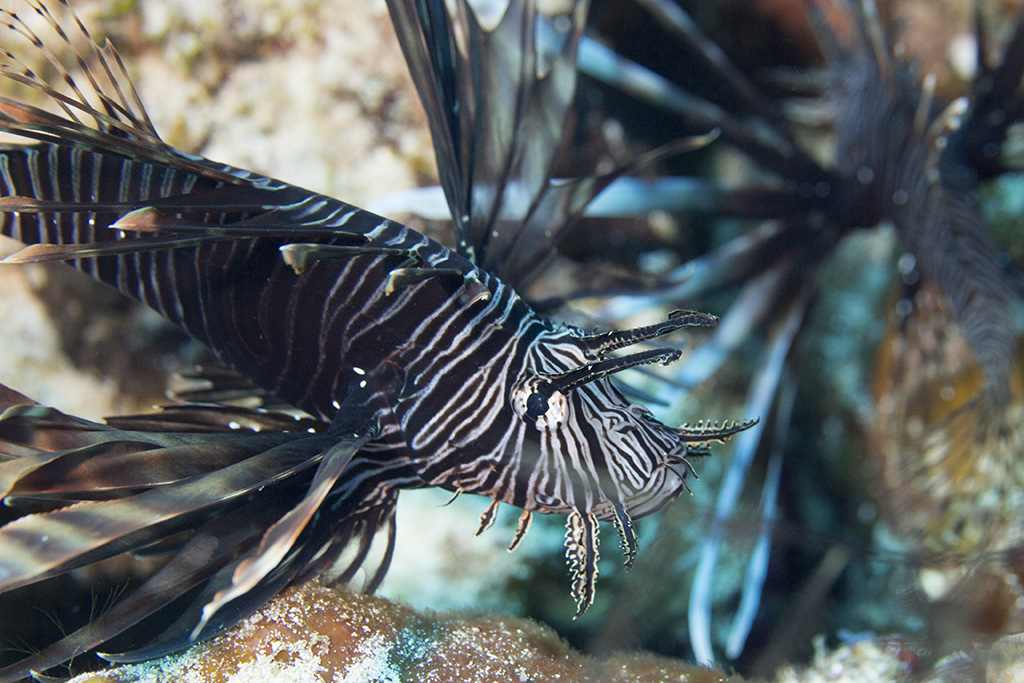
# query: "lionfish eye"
x,y
539,403
536,405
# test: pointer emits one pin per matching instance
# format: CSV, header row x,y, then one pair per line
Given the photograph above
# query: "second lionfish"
x,y
415,366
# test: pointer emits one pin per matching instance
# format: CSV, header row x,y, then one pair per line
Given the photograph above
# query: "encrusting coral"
x,y
318,634
314,633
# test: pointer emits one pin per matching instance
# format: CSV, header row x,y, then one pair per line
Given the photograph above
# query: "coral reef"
x,y
313,633
866,661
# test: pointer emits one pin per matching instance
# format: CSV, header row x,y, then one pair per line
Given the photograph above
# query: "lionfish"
x,y
948,394
414,364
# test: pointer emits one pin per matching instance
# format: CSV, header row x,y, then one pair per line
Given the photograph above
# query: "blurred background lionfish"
x,y
882,360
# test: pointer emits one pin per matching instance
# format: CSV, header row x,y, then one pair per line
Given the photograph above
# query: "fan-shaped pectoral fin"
x,y
281,537
627,536
581,552
207,551
38,253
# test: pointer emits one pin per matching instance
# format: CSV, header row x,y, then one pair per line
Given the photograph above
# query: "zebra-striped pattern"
x,y
448,368
302,337
419,368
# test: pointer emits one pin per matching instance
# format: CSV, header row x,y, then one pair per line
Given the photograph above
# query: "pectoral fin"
x,y
281,537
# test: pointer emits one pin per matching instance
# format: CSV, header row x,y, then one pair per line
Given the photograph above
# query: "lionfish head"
x,y
597,456
600,450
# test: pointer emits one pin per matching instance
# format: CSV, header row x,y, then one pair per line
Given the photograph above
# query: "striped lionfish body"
x,y
416,367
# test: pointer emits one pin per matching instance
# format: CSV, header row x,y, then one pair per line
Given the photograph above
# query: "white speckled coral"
x,y
316,634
